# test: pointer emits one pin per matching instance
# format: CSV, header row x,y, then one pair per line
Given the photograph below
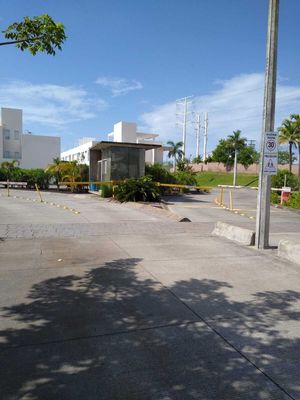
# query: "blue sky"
x,y
131,59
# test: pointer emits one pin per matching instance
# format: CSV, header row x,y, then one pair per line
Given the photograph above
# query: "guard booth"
x,y
114,161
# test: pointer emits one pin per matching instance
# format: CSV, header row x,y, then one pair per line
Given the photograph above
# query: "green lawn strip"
x,y
225,178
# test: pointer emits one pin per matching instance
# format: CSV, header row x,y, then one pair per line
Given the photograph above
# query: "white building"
x,y
32,151
79,153
125,132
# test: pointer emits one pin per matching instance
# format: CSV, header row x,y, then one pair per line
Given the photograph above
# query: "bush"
x,y
275,197
31,176
291,180
159,173
137,189
185,178
106,191
294,200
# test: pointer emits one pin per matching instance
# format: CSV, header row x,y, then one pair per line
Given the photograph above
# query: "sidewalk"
x,y
145,310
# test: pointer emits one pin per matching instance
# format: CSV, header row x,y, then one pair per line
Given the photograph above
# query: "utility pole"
x,y
184,103
263,201
205,136
197,129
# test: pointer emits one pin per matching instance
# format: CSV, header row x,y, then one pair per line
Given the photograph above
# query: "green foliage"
x,y
294,200
137,189
197,160
159,173
106,191
37,34
36,176
210,178
184,165
185,178
176,151
224,153
284,157
291,180
248,156
275,197
31,176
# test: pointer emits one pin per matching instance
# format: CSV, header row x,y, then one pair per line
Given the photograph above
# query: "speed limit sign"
x,y
270,159
271,142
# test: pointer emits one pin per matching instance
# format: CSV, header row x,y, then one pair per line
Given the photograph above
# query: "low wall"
x,y
252,169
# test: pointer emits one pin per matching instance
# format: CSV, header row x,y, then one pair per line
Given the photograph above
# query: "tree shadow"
x,y
112,332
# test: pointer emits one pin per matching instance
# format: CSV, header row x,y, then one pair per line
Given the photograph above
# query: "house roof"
x,y
106,144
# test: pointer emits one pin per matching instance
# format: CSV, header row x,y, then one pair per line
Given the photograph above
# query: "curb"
x,y
234,233
289,250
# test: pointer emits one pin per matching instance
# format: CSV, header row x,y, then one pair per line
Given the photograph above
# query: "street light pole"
x,y
263,201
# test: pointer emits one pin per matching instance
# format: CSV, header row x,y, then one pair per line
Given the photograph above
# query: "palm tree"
x,y
175,152
288,134
296,119
237,143
71,172
9,165
56,169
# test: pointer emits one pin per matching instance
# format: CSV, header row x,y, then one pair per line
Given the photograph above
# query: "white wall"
x,y
39,151
79,153
11,121
124,132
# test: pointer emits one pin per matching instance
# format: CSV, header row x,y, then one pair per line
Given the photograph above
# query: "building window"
x,y
6,133
17,154
6,154
17,135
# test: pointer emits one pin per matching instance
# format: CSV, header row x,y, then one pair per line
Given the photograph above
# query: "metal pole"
x,y
235,168
263,200
205,137
184,125
198,136
39,193
221,197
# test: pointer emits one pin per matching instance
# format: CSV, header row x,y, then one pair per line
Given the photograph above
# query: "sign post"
x,y
267,163
270,156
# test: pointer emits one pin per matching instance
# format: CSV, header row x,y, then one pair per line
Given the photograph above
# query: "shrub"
x,y
36,176
275,197
31,176
184,165
294,200
159,173
106,191
185,178
137,189
197,160
291,180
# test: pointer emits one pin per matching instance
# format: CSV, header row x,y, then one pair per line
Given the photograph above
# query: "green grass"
x,y
224,178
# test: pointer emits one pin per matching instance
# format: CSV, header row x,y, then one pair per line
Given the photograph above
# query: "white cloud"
x,y
235,104
119,86
51,105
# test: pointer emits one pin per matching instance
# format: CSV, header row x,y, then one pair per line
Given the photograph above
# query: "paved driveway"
x,y
284,224
114,303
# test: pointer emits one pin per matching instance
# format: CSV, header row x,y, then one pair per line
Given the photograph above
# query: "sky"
x,y
131,59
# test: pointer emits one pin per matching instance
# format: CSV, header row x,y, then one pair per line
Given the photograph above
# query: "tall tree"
x,y
175,152
237,143
37,34
288,134
296,120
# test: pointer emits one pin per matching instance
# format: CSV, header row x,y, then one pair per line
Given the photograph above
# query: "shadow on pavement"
x,y
112,334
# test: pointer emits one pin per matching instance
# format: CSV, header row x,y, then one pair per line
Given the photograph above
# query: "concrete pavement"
x,y
129,305
284,224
